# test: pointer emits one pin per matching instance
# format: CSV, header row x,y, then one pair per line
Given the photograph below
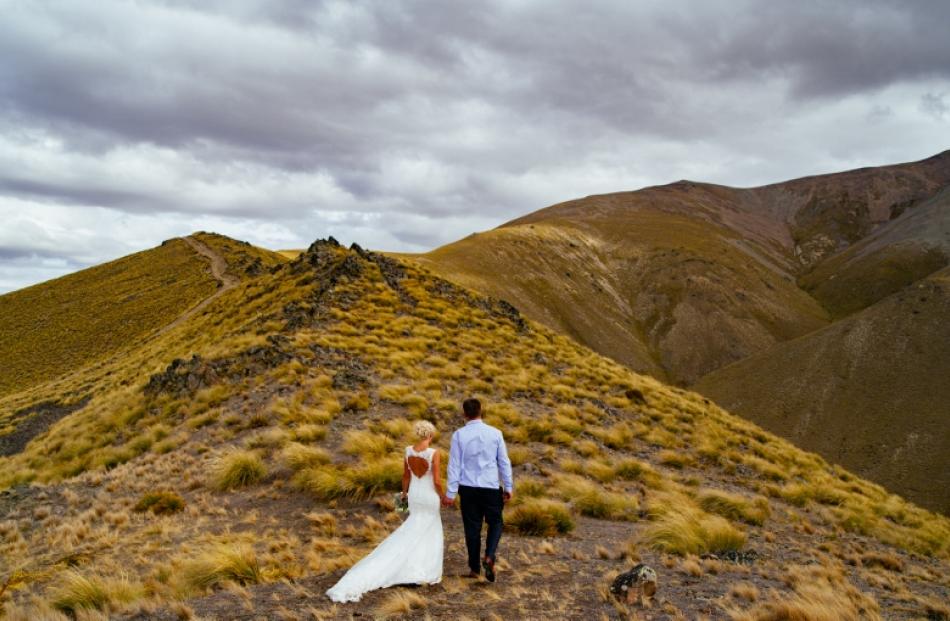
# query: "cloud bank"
x,y
404,125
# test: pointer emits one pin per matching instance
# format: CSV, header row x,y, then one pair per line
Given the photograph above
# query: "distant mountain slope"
x,y
871,391
664,293
57,326
274,420
680,280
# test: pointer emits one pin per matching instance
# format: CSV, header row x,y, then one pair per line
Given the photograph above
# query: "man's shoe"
x,y
489,565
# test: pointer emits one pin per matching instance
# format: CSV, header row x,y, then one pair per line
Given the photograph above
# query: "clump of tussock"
x,y
541,518
735,507
298,456
237,468
220,564
401,602
161,502
679,527
821,593
79,592
367,444
594,501
329,482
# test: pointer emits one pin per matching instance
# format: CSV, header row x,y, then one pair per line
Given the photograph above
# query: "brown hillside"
x,y
870,391
664,293
681,280
233,466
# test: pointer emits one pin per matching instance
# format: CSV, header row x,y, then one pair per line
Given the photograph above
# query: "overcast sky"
x,y
407,125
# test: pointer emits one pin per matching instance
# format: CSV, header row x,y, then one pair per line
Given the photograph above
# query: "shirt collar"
x,y
472,422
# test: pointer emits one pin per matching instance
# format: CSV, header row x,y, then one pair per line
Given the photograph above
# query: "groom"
x,y
476,459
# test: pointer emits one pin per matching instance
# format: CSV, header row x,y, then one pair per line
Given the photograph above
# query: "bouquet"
x,y
401,503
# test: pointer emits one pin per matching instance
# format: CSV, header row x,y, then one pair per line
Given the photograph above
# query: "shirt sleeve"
x,y
504,464
455,467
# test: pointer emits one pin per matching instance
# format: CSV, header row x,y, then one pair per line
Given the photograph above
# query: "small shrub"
x,y
160,503
541,518
237,469
224,563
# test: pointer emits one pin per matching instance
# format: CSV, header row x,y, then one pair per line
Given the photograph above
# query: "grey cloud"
x,y
405,113
935,104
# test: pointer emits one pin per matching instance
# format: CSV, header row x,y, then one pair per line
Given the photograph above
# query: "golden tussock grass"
x,y
362,481
367,444
675,459
78,591
595,501
310,433
679,527
237,468
400,602
298,456
223,563
540,518
744,591
819,593
160,502
734,506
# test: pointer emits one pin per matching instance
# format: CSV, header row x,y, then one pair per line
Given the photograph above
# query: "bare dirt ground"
x,y
558,578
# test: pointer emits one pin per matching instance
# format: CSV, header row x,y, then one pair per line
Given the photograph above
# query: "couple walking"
x,y
479,473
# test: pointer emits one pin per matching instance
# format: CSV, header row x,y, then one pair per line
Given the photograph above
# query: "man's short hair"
x,y
472,408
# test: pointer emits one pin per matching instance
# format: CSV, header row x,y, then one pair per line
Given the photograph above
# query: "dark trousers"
x,y
481,504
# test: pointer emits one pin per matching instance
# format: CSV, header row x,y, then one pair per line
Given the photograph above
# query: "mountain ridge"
x,y
684,279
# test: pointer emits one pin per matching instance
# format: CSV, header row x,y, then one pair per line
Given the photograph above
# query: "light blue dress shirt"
x,y
477,457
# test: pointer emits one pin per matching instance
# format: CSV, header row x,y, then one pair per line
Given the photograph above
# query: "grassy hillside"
x,y
665,294
879,374
58,326
232,468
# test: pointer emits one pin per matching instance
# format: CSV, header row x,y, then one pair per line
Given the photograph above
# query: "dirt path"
x,y
219,269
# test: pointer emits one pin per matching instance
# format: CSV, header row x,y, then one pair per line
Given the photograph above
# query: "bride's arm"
x,y
405,477
437,473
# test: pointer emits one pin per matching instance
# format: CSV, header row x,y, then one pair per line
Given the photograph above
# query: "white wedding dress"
x,y
412,554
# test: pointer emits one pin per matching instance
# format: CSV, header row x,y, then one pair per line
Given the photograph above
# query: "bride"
x,y
412,554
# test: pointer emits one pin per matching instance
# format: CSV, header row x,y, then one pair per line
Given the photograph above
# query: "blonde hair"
x,y
423,429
